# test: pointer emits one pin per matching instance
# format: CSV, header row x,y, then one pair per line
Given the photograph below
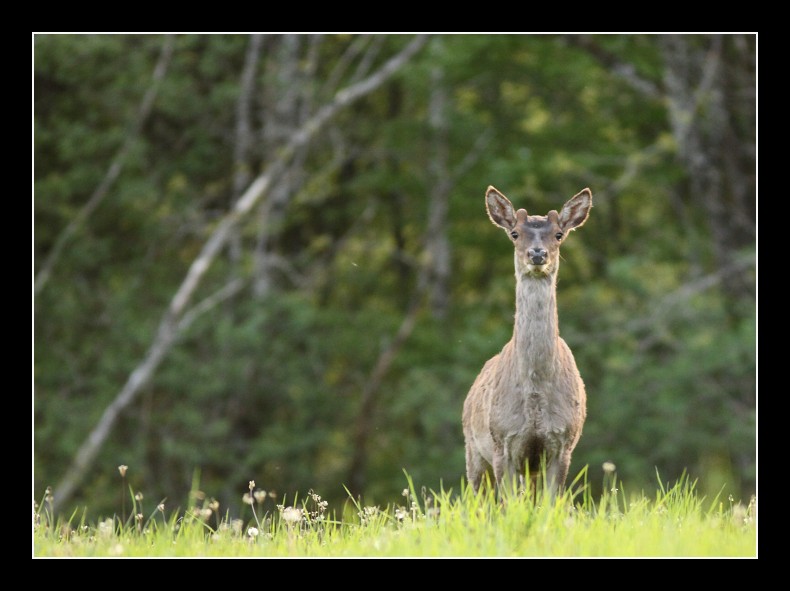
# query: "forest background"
x,y
267,256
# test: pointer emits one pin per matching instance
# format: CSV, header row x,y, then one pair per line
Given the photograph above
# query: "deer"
x,y
524,413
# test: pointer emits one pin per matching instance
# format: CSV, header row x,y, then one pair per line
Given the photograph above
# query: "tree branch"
x,y
244,136
242,148
349,55
143,111
169,325
662,308
618,67
227,291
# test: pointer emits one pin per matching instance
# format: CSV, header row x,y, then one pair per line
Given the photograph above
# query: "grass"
x,y
676,522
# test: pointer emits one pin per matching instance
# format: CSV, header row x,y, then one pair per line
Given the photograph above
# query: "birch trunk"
x,y
177,316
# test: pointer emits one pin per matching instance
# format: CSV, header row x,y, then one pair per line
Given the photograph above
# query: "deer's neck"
x,y
536,329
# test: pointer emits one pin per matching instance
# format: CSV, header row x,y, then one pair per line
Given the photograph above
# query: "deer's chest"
x,y
530,410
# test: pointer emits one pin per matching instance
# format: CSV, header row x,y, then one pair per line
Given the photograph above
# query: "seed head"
x,y
122,469
292,514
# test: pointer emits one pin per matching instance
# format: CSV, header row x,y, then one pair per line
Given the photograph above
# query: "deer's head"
x,y
537,238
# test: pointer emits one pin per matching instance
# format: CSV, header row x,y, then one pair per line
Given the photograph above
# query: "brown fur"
x,y
528,404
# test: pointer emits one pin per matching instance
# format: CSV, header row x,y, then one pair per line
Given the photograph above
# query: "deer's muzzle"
x,y
537,256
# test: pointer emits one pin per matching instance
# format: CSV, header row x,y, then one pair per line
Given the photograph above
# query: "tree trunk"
x,y
177,317
243,145
437,245
709,86
712,115
287,104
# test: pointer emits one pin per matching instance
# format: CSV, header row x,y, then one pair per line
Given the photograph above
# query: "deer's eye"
x,y
514,235
558,235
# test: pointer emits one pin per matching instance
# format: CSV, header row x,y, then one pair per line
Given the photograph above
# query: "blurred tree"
x,y
710,101
304,202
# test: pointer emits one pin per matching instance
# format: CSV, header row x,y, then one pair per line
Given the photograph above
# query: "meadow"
x,y
675,521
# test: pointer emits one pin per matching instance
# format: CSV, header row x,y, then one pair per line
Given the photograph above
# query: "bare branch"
x,y
662,309
219,296
296,278
436,269
684,101
242,148
474,153
367,60
618,67
635,163
169,325
349,55
710,145
143,111
241,173
310,68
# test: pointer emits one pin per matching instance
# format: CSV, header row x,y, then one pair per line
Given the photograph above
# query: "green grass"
x,y
676,522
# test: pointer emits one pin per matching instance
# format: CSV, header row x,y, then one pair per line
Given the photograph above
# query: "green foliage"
x,y
268,383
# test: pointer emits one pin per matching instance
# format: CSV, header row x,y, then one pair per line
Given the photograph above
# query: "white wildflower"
x,y
292,515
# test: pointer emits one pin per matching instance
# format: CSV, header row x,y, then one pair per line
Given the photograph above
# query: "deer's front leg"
x,y
507,469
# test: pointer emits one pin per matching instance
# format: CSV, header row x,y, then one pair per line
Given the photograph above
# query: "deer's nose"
x,y
537,256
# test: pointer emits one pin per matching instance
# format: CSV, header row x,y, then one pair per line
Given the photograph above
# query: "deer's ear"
x,y
500,209
574,213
